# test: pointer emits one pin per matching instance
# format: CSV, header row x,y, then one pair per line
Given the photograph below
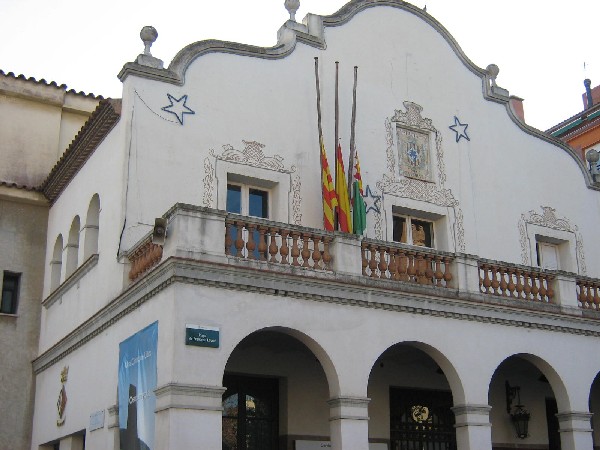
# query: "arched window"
x,y
56,263
91,228
72,247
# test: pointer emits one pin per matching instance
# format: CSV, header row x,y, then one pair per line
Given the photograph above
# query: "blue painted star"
x,y
178,107
372,202
460,129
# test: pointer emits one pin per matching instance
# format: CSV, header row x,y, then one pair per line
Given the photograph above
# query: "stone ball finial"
x,y
493,70
148,36
292,6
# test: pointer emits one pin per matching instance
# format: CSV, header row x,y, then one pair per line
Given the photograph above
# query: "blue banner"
x,y
137,381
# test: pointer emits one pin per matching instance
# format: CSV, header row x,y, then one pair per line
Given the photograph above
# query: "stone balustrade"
x,y
256,239
588,296
410,264
524,283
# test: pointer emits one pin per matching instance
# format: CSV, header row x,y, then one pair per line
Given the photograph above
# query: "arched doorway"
x,y
519,380
276,395
411,400
595,410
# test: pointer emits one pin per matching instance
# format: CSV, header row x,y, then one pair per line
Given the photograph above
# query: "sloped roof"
x,y
50,84
102,120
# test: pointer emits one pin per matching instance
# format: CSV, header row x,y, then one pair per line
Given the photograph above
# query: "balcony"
x,y
211,236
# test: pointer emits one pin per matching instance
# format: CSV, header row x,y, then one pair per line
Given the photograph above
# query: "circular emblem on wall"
x,y
420,413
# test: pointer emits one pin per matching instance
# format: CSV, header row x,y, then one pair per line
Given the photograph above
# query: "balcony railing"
x,y
406,263
524,283
256,239
588,296
143,257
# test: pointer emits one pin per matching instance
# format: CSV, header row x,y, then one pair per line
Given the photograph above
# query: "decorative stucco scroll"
x,y
252,155
412,119
296,200
209,183
548,219
426,192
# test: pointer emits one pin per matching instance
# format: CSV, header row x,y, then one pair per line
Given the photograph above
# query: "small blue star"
x,y
372,202
178,107
460,129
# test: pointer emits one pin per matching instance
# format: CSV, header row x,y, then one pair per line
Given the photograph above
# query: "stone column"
x,y
575,429
349,423
74,442
188,416
473,427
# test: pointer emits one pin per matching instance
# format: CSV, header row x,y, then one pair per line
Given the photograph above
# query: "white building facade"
x,y
474,289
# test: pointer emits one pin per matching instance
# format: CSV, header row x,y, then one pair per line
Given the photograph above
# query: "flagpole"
x,y
352,136
319,119
337,133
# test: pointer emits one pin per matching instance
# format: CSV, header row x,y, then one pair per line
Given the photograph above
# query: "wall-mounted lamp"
x,y
518,415
592,156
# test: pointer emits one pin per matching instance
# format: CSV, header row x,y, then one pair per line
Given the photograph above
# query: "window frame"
x,y
245,189
16,292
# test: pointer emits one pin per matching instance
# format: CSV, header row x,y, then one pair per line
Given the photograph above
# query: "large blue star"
x,y
372,202
460,129
178,107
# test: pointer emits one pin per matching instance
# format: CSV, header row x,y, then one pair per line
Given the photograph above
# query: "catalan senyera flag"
x,y
329,196
341,189
359,213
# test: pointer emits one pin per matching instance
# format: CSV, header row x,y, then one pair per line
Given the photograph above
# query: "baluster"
x,y
262,243
550,289
273,245
403,267
295,249
580,297
393,265
511,283
495,282
527,286
228,238
520,287
596,297
305,250
534,287
373,261
316,255
447,272
486,282
420,263
251,245
284,250
543,283
429,269
439,275
411,270
503,283
382,263
590,296
326,255
239,242
365,259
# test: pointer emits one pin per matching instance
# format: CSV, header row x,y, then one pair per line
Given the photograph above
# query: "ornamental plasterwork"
x,y
252,155
426,192
548,219
412,119
296,200
209,183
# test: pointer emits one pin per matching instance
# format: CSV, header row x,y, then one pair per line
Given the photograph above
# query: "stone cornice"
x,y
102,120
87,265
321,287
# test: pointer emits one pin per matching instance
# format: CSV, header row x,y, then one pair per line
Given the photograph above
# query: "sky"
x,y
544,48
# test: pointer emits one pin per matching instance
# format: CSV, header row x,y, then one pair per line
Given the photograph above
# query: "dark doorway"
x,y
421,419
250,413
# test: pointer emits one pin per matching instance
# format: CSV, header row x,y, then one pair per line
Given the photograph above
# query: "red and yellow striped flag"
x,y
341,189
329,196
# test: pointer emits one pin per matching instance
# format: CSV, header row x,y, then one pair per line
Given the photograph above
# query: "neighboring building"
x,y
582,131
247,326
37,122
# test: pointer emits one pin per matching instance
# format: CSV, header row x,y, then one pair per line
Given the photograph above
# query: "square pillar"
x,y
346,253
466,273
575,428
473,427
74,442
188,416
349,423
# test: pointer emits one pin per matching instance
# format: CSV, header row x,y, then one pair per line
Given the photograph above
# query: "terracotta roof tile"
x,y
103,119
51,83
